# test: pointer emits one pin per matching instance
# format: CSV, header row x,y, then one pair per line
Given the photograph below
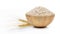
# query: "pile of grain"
x,y
39,11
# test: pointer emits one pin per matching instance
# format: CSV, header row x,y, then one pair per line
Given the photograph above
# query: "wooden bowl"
x,y
40,21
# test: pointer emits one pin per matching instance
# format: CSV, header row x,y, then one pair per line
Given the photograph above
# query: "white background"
x,y
12,10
